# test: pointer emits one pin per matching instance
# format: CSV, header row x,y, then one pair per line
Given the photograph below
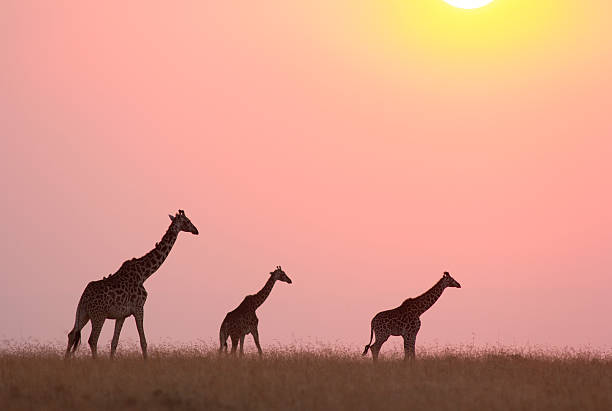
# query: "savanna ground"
x,y
305,378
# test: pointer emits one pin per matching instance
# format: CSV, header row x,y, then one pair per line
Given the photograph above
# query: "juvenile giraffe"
x,y
122,294
243,320
404,320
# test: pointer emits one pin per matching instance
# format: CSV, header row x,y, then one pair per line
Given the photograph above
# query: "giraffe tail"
x,y
77,340
76,331
367,347
222,339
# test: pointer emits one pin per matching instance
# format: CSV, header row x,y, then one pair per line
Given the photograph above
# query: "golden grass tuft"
x,y
305,378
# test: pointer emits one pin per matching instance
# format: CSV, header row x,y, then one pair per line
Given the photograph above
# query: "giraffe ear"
x,y
171,217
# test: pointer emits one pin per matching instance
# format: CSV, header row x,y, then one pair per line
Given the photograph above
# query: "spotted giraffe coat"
x,y
123,294
243,321
405,320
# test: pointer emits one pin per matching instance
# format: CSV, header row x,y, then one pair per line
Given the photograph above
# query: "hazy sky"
x,y
365,146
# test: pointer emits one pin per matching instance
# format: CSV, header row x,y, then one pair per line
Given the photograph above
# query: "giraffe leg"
x,y
115,341
96,328
242,345
406,346
380,340
410,340
139,316
255,333
409,346
234,344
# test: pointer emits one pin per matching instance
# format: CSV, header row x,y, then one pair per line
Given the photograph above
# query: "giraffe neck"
x,y
150,262
424,301
260,297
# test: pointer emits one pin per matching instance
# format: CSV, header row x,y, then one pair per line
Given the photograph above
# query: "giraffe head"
x,y
449,281
280,275
183,223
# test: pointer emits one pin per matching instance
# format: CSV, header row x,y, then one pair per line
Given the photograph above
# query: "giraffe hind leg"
x,y
96,328
255,334
115,341
380,340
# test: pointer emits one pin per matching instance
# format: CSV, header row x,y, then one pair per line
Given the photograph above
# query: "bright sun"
x,y
468,4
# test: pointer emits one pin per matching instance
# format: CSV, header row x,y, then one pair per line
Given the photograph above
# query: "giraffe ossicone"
x,y
405,320
122,294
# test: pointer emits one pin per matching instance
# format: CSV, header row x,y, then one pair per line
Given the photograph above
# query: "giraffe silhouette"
x,y
122,294
243,320
405,319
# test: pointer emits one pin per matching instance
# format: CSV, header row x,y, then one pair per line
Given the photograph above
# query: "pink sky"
x,y
306,135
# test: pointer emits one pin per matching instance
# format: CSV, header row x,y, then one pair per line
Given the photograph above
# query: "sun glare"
x,y
468,4
463,34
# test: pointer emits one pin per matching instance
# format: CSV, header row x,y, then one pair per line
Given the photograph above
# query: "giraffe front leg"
x,y
242,345
96,328
234,344
255,333
115,341
412,339
139,316
409,346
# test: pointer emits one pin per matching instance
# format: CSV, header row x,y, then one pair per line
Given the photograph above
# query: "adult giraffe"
x,y
122,294
404,320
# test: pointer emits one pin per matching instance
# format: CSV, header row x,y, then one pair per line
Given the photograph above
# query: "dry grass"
x,y
305,378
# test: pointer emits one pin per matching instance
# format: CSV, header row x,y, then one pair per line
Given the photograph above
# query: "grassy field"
x,y
304,379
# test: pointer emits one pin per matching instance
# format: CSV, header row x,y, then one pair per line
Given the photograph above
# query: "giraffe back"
x,y
116,296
